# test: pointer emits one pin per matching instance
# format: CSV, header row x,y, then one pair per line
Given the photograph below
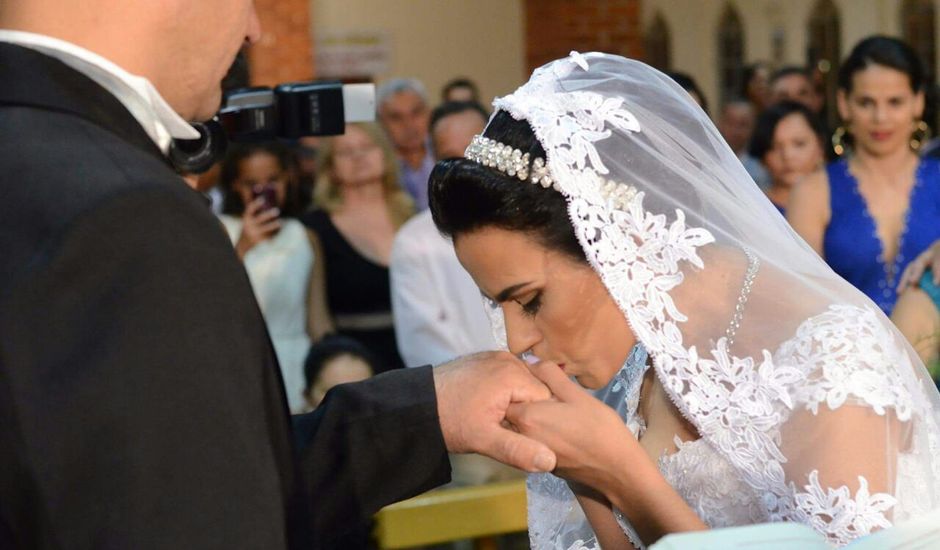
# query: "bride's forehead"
x,y
493,251
495,242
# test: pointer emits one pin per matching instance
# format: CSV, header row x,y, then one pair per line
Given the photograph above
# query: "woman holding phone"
x,y
281,256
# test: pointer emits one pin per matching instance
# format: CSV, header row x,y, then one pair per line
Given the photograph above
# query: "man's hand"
x,y
473,394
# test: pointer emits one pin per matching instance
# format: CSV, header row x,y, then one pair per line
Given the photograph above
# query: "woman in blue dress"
x,y
878,207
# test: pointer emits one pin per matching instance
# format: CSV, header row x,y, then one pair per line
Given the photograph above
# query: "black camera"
x,y
288,111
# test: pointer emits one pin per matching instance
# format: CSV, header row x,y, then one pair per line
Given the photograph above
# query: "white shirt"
x,y
437,307
136,93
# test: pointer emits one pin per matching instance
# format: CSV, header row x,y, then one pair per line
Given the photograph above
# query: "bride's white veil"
x,y
789,373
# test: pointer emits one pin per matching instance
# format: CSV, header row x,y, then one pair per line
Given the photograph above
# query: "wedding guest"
x,y
876,208
359,208
917,316
756,86
794,84
788,139
438,310
282,258
688,84
305,162
736,123
916,312
403,111
335,360
460,89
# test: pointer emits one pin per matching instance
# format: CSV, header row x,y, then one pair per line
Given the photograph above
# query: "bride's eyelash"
x,y
531,307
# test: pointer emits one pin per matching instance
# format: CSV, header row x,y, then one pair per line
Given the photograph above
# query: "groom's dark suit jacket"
x,y
141,405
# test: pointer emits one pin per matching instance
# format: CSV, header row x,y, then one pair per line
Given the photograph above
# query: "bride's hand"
x,y
589,440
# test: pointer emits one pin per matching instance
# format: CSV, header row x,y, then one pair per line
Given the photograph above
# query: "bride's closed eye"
x,y
531,307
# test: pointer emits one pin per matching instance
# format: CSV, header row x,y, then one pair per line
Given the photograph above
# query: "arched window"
x,y
730,52
657,44
917,27
823,52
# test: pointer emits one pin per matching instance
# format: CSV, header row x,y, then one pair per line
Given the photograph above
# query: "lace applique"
x,y
710,485
568,123
847,352
837,513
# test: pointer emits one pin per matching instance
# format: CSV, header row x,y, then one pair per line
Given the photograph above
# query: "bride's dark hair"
x,y
466,196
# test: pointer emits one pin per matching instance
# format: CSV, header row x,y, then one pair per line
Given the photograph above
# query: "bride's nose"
x,y
521,332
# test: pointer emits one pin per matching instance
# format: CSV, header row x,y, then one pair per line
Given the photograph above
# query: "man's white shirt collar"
x,y
136,93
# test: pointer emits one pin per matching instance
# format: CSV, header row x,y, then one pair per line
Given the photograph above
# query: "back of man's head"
x,y
453,125
736,121
460,89
793,83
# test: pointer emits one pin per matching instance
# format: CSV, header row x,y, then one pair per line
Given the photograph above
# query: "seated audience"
x,y
359,208
282,258
402,106
335,360
788,139
460,89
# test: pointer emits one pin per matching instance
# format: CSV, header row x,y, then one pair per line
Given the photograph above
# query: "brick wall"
x,y
285,52
555,27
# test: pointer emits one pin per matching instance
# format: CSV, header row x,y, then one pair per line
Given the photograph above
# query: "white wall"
x,y
436,40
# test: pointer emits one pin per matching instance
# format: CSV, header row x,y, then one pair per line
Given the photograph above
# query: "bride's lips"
x,y
880,136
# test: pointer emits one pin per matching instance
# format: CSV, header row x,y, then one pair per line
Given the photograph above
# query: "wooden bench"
x,y
446,515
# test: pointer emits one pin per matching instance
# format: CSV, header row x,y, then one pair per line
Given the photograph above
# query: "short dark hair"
x,y
460,82
330,347
747,75
688,84
449,108
229,173
789,70
885,51
763,136
466,196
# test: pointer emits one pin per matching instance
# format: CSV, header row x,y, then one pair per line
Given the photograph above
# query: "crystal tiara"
x,y
515,164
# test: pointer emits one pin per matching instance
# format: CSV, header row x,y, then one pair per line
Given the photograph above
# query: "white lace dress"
x,y
706,481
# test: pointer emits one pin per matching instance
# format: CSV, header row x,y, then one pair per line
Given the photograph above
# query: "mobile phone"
x,y
268,195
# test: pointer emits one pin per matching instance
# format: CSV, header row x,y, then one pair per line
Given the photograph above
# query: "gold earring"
x,y
838,141
920,135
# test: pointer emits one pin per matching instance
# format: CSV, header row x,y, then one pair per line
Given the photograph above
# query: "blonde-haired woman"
x,y
359,207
